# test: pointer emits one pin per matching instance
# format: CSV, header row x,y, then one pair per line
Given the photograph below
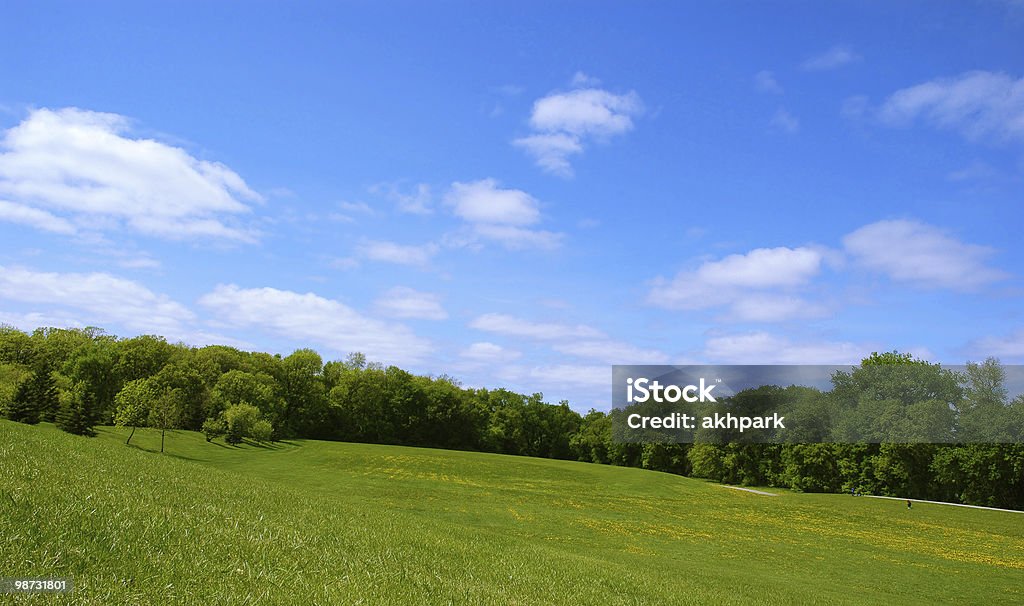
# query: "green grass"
x,y
329,523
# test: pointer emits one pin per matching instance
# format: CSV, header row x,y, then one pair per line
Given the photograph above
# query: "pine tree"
x,y
77,412
44,390
23,408
36,397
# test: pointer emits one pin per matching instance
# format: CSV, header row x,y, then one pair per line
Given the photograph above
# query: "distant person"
x,y
909,504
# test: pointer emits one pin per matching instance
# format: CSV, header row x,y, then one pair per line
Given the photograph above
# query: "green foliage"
x,y
986,415
982,474
811,467
262,431
133,403
16,347
145,381
240,419
258,389
165,410
77,413
706,461
142,357
11,376
214,428
671,458
23,407
187,376
35,398
93,366
304,394
590,442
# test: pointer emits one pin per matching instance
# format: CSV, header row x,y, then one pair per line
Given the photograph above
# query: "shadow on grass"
x,y
269,445
223,445
173,434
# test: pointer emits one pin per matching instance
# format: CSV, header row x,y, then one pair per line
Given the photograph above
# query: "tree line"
x,y
82,378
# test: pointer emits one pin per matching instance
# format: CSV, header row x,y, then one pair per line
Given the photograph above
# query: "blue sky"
x,y
519,194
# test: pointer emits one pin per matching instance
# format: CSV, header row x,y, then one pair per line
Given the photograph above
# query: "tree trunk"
x,y
162,439
130,435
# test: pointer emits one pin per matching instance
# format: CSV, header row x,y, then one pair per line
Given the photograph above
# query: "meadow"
x,y
310,522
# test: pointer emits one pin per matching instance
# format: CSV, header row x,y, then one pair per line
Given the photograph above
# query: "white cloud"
x,y
764,267
518,238
417,202
34,217
403,302
551,151
786,122
498,214
612,352
764,348
400,254
349,210
747,284
361,208
486,352
768,307
564,121
833,58
1009,346
83,168
139,262
977,104
512,326
484,202
586,111
559,375
920,254
33,320
582,80
310,318
765,82
101,297
344,263
975,171
585,385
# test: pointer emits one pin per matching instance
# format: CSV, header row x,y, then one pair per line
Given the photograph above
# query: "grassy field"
x,y
330,523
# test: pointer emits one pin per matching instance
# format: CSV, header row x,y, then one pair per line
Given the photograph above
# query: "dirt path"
x,y
760,492
769,494
942,503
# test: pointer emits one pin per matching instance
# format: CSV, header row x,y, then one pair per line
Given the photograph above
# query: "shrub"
x,y
262,430
214,428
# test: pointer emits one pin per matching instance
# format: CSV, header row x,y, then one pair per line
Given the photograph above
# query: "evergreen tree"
x,y
77,413
36,398
23,408
44,392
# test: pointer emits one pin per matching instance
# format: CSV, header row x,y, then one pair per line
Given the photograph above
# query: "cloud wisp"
x,y
758,286
311,318
922,255
95,298
977,104
498,214
72,170
564,123
834,58
408,303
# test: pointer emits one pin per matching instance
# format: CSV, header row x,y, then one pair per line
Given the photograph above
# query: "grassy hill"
x,y
318,522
